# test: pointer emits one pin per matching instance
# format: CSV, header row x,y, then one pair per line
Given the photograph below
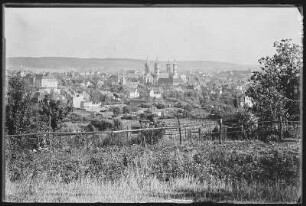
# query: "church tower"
x,y
168,66
156,68
156,71
174,69
147,67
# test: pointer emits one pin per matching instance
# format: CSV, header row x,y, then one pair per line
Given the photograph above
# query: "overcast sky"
x,y
237,35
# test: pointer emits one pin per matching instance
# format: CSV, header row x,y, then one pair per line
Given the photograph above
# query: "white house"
x,y
245,101
239,88
184,78
89,106
133,93
248,101
78,98
155,94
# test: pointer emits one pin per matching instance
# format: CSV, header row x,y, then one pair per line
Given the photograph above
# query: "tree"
x,y
21,117
187,109
100,125
17,106
54,111
160,105
275,89
95,95
143,91
94,81
116,111
126,109
118,125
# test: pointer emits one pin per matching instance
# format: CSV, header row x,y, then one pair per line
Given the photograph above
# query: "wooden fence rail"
x,y
183,129
99,132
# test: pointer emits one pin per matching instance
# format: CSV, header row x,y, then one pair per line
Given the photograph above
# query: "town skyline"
x,y
152,104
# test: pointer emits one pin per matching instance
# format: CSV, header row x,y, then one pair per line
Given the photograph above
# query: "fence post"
x,y
50,141
180,135
243,135
280,129
144,140
199,133
179,124
256,131
151,136
220,134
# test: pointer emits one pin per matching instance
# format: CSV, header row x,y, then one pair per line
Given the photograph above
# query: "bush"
x,y
126,109
292,133
188,107
118,124
160,106
214,116
101,125
145,105
151,137
178,105
117,111
269,166
129,117
134,109
198,114
115,140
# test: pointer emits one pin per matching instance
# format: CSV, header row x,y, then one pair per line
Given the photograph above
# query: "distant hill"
x,y
113,64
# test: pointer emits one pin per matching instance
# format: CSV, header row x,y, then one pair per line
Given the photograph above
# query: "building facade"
x,y
155,76
40,81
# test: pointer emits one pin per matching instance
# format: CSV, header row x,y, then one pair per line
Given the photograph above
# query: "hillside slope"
x,y
115,64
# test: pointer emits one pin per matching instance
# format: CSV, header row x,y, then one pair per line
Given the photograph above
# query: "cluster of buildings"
x,y
41,82
152,74
156,76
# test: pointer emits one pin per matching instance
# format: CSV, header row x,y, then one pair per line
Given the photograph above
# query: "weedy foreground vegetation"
x,y
234,171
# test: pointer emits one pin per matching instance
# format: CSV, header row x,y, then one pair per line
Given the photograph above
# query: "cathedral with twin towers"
x,y
157,77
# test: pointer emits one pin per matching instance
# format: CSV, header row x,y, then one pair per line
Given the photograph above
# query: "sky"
x,y
237,35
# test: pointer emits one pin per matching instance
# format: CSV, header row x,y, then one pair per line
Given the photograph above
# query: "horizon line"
x,y
152,59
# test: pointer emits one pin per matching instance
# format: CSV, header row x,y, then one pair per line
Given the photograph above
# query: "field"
x,y
234,171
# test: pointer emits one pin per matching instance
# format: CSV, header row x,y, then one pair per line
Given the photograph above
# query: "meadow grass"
x,y
136,189
139,181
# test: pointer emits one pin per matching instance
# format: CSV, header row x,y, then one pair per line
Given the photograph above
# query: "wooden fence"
x,y
199,131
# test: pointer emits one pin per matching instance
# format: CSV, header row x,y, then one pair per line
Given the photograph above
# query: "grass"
x,y
130,189
159,173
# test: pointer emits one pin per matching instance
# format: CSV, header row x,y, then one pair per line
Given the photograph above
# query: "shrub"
x,y
101,125
115,139
266,167
129,117
160,106
134,109
117,111
126,109
152,137
145,105
188,107
178,105
118,124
